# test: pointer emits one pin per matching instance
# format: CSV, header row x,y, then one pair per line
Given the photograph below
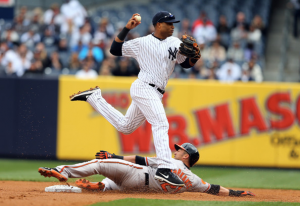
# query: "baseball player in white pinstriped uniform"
x,y
157,55
136,173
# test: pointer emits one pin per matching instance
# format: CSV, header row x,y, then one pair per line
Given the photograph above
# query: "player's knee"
x,y
125,130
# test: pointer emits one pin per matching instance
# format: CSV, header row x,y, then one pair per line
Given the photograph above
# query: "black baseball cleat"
x,y
83,96
168,176
52,172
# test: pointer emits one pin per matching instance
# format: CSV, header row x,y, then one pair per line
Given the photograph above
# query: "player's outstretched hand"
x,y
104,155
133,22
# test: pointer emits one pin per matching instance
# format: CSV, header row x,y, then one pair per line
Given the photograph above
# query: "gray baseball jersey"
x,y
157,59
124,175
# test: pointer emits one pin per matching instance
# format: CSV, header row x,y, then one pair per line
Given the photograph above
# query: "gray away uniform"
x,y
124,175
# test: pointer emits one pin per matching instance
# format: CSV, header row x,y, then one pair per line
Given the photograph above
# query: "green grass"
x,y
148,202
26,170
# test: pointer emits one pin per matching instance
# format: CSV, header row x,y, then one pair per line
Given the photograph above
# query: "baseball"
x,y
138,18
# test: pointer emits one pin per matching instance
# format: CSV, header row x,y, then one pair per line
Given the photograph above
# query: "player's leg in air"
x,y
125,124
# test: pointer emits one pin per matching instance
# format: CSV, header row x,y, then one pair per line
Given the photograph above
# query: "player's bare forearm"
x,y
130,158
131,24
223,191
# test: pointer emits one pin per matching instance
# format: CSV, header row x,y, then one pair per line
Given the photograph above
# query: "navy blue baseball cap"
x,y
164,16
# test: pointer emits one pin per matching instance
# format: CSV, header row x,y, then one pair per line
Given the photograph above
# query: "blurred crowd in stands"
x,y
64,40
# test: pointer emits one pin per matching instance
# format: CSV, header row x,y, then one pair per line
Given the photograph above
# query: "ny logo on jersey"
x,y
172,53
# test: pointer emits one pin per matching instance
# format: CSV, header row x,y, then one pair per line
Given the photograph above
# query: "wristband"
x,y
117,156
235,193
194,61
122,35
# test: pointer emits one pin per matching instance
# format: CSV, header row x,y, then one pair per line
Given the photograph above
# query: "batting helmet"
x,y
191,150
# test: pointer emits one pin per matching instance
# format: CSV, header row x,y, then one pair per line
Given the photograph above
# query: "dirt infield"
x,y
33,193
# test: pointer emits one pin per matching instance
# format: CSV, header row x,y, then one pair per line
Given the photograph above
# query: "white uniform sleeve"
x,y
180,58
131,48
151,161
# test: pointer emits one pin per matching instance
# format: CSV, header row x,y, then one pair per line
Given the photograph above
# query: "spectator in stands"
x,y
107,27
97,52
249,51
82,35
101,36
245,77
229,71
205,31
216,52
106,67
211,73
2,68
122,68
185,28
73,10
10,35
254,35
55,62
40,54
258,23
16,63
20,25
105,71
199,21
239,34
86,72
241,21
223,31
74,63
235,52
31,38
110,62
204,50
49,38
36,20
223,27
36,67
199,70
253,70
63,45
52,16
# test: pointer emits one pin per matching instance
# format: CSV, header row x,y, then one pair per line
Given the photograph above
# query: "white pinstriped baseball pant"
x,y
146,104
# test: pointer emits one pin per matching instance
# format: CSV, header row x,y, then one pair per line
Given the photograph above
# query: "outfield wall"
x,y
240,124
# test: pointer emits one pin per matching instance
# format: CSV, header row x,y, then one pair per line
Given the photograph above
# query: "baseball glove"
x,y
189,47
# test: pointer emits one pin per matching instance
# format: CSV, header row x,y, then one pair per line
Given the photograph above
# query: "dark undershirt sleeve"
x,y
186,63
116,48
140,160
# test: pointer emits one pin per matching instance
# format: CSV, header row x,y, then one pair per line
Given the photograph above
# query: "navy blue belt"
x,y
158,89
146,178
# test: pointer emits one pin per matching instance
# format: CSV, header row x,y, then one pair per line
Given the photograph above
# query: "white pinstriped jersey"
x,y
156,57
